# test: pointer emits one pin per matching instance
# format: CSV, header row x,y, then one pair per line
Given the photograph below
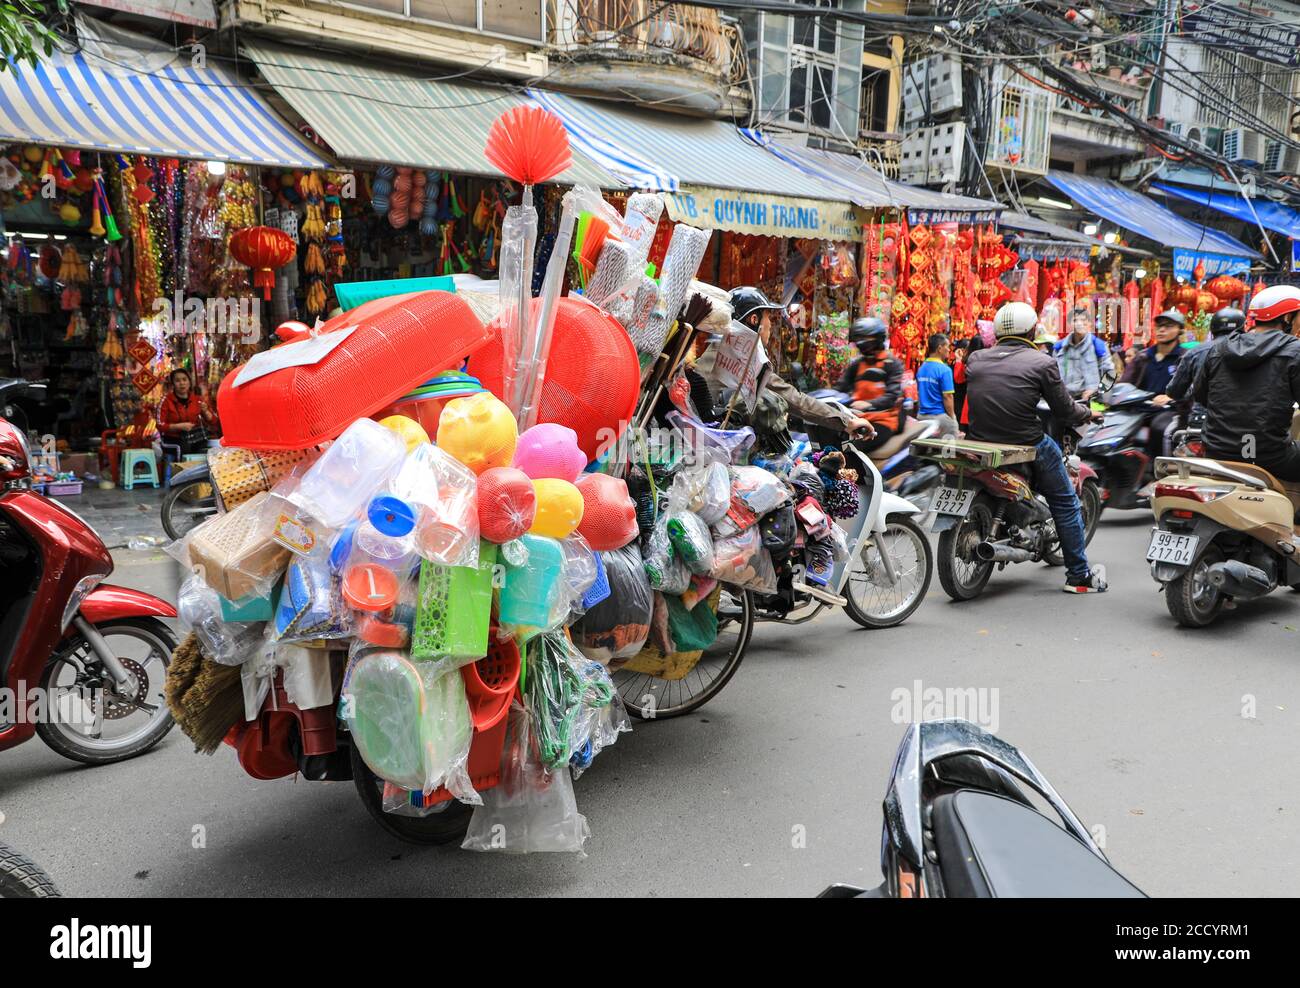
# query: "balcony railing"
x,y
646,28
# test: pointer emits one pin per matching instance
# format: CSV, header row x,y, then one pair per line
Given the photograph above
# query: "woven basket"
x,y
235,553
238,474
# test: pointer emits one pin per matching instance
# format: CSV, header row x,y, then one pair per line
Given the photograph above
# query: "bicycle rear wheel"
x,y
651,698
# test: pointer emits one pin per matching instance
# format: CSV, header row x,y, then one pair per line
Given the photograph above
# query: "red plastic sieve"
x,y
593,377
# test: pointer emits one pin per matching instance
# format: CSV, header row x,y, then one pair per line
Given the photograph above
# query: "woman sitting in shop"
x,y
184,416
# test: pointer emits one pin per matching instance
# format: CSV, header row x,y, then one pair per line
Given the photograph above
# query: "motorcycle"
x,y
1116,448
992,516
961,823
22,400
80,655
887,572
21,878
191,498
1224,532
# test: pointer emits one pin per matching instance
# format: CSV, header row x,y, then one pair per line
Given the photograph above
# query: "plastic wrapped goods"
x,y
617,627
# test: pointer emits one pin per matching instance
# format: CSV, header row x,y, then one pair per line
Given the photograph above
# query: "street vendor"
x,y
754,310
185,416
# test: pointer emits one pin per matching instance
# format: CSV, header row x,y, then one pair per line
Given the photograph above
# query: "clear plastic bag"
x,y
243,552
309,605
411,724
706,443
596,717
581,569
666,569
556,691
741,561
356,466
308,675
230,643
617,627
530,809
444,491
761,491
691,540
704,489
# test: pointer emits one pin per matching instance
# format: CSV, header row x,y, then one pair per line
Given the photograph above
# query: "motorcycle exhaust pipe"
x,y
1001,552
1238,579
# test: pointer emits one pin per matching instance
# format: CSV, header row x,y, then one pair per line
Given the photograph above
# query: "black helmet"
x,y
746,301
869,333
1225,322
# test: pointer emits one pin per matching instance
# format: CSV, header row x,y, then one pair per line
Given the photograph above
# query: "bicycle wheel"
x,y
651,698
185,507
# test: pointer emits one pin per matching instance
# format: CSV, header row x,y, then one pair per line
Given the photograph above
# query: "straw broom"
x,y
205,697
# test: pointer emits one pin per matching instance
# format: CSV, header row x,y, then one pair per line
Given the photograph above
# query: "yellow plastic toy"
x,y
411,431
479,430
559,508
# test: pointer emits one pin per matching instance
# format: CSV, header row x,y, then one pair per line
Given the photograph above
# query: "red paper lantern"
x,y
264,249
1184,295
1227,287
1208,302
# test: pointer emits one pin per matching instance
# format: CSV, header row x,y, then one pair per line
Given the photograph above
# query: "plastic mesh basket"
x,y
240,473
399,343
593,378
353,294
453,609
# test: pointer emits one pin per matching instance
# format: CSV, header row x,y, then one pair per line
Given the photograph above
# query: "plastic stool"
x,y
131,460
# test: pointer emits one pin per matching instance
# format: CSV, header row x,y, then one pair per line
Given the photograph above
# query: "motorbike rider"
x,y
1004,386
1083,357
754,310
1249,385
878,396
1153,369
1223,324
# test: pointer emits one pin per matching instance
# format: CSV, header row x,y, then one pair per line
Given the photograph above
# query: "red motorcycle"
x,y
82,662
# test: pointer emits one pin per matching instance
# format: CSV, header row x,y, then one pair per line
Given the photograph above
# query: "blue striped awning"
x,y
666,152
80,100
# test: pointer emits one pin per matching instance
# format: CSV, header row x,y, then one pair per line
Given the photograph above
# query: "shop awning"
x,y
1046,232
81,99
713,176
869,189
374,115
1143,215
1271,215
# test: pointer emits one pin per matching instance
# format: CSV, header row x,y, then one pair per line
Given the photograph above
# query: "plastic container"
x,y
399,342
479,431
593,377
507,504
444,492
550,450
490,682
354,467
608,513
387,535
454,609
531,589
559,508
425,403
235,552
352,294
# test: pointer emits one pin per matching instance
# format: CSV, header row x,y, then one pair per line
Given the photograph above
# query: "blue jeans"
x,y
1052,480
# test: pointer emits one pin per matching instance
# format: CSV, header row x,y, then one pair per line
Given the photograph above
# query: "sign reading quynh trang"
x,y
766,215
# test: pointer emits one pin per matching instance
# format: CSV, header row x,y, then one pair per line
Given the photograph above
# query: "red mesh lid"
x,y
593,377
401,341
609,513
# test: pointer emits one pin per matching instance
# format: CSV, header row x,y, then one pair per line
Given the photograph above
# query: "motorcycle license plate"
x,y
951,501
1170,547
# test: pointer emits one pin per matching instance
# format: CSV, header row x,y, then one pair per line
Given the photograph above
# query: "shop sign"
x,y
742,363
761,214
938,217
1185,262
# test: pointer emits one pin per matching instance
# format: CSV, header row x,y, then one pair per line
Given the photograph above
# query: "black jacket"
x,y
1003,388
1180,386
1248,386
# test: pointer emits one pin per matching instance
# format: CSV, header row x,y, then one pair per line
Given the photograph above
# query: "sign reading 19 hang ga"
x,y
765,215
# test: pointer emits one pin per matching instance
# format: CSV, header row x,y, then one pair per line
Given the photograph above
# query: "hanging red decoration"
x,y
1198,272
1227,287
264,249
145,381
1184,295
142,350
1208,302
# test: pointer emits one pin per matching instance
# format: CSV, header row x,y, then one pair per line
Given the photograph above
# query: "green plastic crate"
x,y
353,293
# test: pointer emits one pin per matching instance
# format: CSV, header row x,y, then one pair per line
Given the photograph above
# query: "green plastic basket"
x,y
353,293
454,609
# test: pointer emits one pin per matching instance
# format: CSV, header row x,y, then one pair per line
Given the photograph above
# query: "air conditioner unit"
x,y
1281,159
1240,144
933,155
931,87
1206,136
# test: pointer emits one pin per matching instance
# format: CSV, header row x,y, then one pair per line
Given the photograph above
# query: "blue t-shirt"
x,y
933,381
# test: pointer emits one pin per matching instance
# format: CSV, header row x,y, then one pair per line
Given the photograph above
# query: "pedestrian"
x,y
184,415
935,386
1084,359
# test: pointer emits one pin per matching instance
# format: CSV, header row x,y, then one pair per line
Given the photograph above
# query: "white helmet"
x,y
1274,303
1015,319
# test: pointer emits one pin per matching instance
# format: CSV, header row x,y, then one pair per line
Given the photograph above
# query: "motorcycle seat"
x,y
1290,488
911,429
992,847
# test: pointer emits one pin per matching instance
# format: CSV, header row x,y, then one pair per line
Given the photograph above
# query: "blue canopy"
x,y
1143,215
1265,212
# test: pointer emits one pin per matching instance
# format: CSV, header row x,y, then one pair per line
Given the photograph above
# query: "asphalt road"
x,y
775,787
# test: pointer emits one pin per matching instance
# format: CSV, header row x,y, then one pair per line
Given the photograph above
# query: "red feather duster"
x,y
529,145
